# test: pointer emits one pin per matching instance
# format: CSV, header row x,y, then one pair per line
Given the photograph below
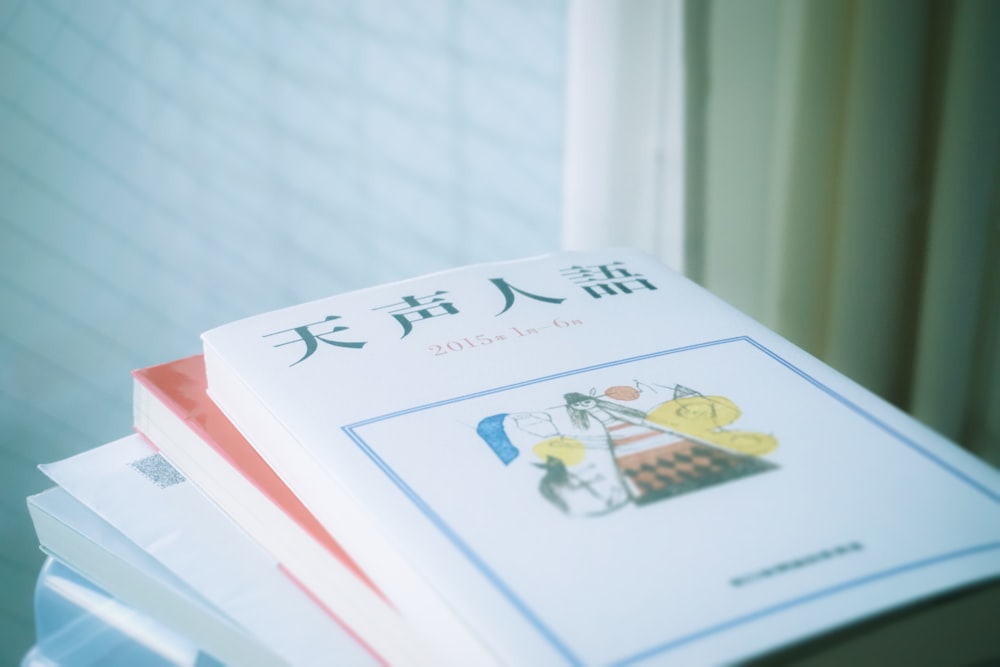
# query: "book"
x,y
585,458
94,549
172,410
77,622
126,519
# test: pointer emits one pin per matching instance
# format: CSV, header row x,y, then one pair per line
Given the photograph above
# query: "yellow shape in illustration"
x,y
568,450
695,414
744,442
704,418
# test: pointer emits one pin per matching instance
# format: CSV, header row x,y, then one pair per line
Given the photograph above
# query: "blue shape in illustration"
x,y
491,430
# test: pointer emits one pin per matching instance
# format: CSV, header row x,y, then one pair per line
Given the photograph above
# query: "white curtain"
x,y
624,154
841,163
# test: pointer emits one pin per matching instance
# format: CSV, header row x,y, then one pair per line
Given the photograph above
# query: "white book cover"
x,y
145,501
585,458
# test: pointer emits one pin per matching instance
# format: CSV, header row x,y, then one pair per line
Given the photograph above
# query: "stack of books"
x,y
582,458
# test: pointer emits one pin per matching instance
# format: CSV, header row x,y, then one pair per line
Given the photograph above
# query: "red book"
x,y
173,411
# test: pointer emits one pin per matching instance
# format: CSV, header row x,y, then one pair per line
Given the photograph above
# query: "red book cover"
x,y
181,386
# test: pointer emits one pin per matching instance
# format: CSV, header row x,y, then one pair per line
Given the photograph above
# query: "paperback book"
x,y
172,410
136,586
125,518
585,458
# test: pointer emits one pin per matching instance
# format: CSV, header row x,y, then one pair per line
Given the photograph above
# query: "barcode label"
x,y
156,469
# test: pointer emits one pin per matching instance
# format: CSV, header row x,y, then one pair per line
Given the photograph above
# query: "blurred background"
x,y
832,168
167,166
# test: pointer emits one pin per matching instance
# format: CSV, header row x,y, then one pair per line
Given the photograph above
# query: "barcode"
x,y
156,469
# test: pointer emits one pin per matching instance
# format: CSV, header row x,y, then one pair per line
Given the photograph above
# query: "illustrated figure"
x,y
609,454
658,461
580,473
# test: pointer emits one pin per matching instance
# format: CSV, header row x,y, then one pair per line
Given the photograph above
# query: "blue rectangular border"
x,y
351,431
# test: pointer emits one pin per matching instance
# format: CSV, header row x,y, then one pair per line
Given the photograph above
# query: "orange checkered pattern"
x,y
685,466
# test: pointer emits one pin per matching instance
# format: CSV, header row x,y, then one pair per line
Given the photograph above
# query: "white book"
x,y
585,458
126,518
149,603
